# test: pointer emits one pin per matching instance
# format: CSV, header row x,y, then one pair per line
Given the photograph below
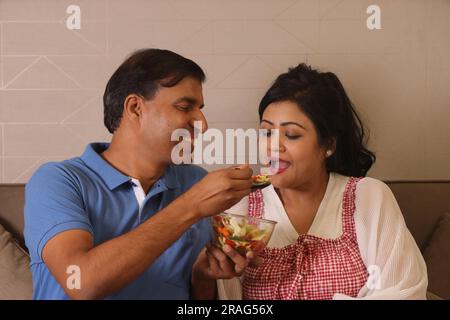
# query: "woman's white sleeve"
x,y
231,289
395,264
239,208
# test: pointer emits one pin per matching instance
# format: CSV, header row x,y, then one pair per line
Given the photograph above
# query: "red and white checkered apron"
x,y
311,268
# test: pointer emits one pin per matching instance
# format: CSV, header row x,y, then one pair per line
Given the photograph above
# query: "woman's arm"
x,y
396,267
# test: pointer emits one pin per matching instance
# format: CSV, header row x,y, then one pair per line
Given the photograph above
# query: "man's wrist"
x,y
188,207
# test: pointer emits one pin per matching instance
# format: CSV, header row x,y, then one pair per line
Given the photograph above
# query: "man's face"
x,y
172,108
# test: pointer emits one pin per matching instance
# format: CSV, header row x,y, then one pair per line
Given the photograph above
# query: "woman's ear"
x,y
330,148
333,144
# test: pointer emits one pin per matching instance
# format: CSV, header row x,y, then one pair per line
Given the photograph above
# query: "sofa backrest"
x,y
11,209
422,202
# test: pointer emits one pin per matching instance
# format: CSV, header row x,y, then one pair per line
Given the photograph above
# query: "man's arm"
x,y
112,265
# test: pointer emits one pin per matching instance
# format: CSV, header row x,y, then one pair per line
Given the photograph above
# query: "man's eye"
x,y
184,108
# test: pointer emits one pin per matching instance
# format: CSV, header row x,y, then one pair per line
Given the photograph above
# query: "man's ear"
x,y
132,107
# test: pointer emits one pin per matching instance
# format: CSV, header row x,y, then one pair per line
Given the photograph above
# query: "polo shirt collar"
x,y
113,177
169,179
92,158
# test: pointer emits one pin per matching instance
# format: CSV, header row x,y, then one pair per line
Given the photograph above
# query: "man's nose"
x,y
199,117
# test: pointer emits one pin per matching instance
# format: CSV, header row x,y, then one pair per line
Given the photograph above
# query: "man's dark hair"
x,y
143,73
321,96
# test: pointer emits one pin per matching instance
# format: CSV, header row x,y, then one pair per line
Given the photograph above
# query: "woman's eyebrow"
x,y
293,123
285,123
264,120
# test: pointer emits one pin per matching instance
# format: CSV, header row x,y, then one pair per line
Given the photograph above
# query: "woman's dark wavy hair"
x,y
321,96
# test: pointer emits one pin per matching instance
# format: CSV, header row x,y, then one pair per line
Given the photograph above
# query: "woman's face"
x,y
299,157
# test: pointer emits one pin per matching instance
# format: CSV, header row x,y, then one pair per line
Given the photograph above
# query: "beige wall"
x,y
52,78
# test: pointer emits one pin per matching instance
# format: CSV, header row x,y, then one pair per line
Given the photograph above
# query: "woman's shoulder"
x,y
373,186
373,195
363,184
368,189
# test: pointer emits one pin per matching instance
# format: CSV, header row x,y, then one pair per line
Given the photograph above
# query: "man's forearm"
x,y
112,265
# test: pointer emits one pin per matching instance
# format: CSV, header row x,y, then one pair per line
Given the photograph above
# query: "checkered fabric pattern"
x,y
311,268
256,204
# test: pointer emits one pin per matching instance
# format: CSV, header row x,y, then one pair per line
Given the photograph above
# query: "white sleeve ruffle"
x,y
397,270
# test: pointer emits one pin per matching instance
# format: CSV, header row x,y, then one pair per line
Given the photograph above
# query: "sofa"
x,y
425,206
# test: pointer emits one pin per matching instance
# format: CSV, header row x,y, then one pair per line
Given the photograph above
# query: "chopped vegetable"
x,y
240,233
260,180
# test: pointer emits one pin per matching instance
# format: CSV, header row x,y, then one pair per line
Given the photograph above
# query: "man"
x,y
121,221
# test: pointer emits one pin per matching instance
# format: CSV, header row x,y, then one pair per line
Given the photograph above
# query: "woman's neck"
x,y
313,190
302,203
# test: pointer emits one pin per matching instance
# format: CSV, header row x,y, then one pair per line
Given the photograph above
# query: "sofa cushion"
x,y
15,275
437,257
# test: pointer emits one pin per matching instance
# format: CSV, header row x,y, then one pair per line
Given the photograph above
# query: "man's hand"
x,y
218,191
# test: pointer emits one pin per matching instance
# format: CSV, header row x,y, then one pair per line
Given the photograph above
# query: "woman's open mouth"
x,y
278,166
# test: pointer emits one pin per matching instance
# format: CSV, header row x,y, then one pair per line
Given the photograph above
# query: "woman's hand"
x,y
223,264
214,263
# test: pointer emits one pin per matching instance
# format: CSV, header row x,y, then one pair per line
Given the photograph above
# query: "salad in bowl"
x,y
242,233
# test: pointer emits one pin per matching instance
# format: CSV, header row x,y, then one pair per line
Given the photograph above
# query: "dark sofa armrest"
x,y
432,296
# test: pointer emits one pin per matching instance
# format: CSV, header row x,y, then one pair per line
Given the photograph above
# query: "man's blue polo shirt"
x,y
89,194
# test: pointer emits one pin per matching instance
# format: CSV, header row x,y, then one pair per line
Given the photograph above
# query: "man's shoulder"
x,y
66,170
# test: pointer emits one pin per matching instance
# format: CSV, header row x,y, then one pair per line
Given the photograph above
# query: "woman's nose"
x,y
275,144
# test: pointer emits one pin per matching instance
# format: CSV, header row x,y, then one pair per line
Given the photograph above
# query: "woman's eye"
x,y
266,133
292,137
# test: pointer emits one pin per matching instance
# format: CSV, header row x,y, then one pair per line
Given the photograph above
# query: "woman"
x,y
339,235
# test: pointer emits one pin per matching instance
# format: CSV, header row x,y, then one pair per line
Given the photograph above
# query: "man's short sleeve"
x,y
53,204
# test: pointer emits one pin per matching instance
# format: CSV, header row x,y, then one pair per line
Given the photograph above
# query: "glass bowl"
x,y
242,233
